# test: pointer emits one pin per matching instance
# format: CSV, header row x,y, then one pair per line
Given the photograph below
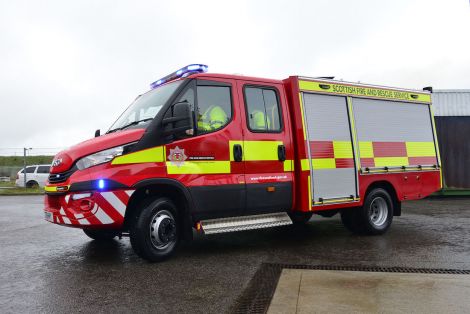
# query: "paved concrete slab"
x,y
324,291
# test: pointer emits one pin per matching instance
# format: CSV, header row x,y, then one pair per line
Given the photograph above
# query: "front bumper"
x,y
96,209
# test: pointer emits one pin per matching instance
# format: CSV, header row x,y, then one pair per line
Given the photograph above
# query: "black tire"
x,y
155,230
101,234
32,184
300,218
348,218
374,217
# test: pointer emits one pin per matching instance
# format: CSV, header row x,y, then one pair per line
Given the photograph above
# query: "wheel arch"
x,y
31,183
169,188
387,186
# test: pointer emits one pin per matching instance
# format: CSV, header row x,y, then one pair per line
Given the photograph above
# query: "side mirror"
x,y
97,133
180,121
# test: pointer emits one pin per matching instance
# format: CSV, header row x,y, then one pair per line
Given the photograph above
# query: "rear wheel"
x,y
101,235
348,218
374,217
154,233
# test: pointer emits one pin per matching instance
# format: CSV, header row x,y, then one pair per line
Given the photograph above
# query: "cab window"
x,y
262,106
214,108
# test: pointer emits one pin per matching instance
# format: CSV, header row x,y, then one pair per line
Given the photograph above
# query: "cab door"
x,y
267,147
203,162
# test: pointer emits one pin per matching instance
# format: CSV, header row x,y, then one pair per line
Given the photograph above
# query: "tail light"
x,y
17,176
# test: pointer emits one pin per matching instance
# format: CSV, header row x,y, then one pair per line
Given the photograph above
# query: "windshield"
x,y
145,107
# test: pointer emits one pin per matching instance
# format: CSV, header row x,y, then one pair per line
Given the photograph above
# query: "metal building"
x,y
452,114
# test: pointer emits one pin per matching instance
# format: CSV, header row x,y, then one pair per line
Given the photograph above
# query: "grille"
x,y
61,177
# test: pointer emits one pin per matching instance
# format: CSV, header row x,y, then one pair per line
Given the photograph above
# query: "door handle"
x,y
281,152
237,152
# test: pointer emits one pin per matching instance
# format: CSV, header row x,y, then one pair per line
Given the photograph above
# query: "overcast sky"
x,y
70,67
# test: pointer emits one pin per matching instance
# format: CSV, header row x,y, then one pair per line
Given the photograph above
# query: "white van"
x,y
36,175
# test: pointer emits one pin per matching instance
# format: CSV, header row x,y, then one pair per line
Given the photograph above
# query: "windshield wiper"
x,y
130,124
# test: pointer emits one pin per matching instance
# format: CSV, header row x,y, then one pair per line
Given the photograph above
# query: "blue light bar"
x,y
101,184
183,72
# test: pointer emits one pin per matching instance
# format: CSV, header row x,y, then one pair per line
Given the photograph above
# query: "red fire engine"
x,y
221,153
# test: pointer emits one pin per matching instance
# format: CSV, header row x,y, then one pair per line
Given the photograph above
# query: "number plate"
x,y
48,216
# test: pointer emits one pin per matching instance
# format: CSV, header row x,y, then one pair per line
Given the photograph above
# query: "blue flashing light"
x,y
183,72
101,184
193,67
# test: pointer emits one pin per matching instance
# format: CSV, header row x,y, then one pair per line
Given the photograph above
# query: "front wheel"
x,y
374,217
154,233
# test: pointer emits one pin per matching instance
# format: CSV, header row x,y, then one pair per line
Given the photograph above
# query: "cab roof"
x,y
234,77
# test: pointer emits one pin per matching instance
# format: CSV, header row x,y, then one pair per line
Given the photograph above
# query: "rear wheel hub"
x,y
378,211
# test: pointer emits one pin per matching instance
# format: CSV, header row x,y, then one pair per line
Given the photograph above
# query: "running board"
x,y
241,223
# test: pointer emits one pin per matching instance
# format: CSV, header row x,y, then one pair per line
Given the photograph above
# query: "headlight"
x,y
100,157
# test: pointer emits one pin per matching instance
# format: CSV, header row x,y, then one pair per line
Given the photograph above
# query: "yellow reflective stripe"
x,y
257,150
310,86
420,149
364,91
342,149
260,150
309,193
340,200
366,150
50,188
155,154
435,135
390,161
414,149
323,163
436,144
288,165
54,188
302,114
353,130
305,164
198,167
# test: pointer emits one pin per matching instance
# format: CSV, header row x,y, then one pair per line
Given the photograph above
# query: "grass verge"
x,y
9,188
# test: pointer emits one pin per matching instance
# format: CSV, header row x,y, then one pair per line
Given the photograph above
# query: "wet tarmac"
x,y
48,268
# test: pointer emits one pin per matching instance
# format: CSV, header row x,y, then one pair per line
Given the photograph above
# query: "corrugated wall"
x,y
451,102
453,134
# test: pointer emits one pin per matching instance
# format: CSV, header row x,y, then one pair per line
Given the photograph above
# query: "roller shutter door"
x,y
393,134
330,147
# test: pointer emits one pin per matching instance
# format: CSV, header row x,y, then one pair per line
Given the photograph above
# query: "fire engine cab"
x,y
222,153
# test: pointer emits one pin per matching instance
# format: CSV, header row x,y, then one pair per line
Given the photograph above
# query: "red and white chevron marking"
x,y
109,209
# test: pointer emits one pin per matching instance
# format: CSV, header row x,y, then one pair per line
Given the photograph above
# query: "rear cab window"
x,y
262,109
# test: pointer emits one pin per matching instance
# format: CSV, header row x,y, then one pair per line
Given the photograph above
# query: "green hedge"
x,y
10,165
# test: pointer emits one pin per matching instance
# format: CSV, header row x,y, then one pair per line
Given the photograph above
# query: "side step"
x,y
241,223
